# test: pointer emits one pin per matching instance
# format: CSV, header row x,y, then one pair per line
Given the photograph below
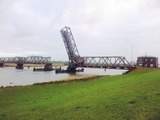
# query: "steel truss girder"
x,y
106,62
95,62
70,44
26,60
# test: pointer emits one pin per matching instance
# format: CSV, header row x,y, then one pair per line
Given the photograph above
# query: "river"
x,y
9,76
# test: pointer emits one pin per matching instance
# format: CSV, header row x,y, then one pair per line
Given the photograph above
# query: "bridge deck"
x,y
26,60
110,62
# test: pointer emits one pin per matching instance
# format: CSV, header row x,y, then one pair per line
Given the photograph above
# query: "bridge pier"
x,y
48,67
71,68
19,66
1,64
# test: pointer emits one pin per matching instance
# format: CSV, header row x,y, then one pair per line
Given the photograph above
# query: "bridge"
x,y
75,60
26,60
108,62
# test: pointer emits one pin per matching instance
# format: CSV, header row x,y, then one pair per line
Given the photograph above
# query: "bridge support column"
x,y
19,66
1,64
48,67
71,68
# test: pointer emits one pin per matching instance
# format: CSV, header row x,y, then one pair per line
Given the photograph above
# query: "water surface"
x,y
10,76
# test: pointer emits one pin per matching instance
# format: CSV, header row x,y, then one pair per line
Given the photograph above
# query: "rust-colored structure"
x,y
146,61
107,62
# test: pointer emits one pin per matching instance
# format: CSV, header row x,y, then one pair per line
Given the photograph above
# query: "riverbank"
x,y
71,79
132,96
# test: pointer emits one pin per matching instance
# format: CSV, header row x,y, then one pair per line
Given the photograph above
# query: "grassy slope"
x,y
128,97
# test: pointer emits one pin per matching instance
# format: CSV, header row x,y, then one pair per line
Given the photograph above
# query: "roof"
x,y
147,57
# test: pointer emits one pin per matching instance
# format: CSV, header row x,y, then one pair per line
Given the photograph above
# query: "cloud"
x,y
116,25
109,27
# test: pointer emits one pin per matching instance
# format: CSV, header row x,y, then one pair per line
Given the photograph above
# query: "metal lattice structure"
x,y
111,62
70,46
26,60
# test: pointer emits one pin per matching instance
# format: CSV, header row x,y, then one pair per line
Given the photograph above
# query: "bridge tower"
x,y
74,58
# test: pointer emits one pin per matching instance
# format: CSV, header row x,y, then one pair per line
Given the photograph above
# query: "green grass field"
x,y
134,96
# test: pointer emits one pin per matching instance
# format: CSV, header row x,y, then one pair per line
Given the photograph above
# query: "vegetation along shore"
x,y
133,96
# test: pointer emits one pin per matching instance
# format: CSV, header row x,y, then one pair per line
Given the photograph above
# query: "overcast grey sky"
x,y
100,27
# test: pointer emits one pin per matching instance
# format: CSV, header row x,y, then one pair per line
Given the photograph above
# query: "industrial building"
x,y
146,61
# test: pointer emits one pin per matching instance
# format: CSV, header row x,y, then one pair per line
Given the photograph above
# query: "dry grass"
x,y
85,77
70,79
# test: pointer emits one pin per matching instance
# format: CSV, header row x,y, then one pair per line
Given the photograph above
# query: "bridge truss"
x,y
111,62
26,60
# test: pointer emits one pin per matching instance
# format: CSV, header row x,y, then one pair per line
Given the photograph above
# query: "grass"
x,y
134,96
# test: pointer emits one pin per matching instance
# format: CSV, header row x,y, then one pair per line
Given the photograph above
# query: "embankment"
x,y
124,97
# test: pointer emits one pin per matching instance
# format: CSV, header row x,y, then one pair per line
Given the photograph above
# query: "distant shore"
x,y
31,65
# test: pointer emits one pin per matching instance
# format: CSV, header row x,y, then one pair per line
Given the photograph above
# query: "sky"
x,y
128,28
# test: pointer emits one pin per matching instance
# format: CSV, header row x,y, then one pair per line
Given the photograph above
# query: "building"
x,y
151,62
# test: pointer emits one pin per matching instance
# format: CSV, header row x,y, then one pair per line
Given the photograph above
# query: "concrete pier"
x,y
19,66
48,67
1,64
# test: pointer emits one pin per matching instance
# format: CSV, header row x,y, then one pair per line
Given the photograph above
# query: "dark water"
x,y
9,76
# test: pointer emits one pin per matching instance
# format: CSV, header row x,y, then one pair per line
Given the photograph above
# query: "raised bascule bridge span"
x,y
20,61
75,60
